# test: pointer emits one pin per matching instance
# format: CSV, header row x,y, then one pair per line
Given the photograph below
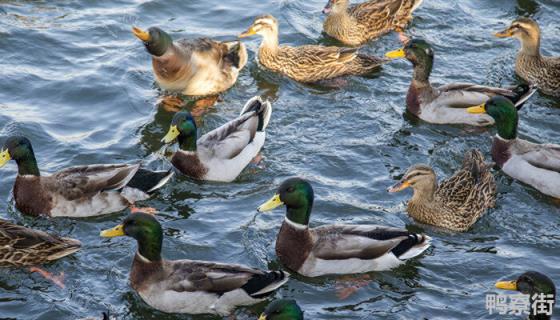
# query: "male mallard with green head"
x,y
541,291
223,153
82,191
335,249
282,309
357,24
537,165
544,72
448,104
458,202
310,63
194,67
21,246
189,286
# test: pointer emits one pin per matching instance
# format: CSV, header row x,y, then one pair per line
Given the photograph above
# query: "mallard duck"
x,y
541,291
282,309
21,246
335,249
82,191
537,165
223,153
360,23
195,67
448,104
530,65
189,286
310,63
458,202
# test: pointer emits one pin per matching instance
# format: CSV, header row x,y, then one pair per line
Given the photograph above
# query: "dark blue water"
x,y
77,83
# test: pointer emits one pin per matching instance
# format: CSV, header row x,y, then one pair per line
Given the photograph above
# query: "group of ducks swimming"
x,y
204,67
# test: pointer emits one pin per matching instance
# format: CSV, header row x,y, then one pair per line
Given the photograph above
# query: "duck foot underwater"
x,y
347,286
56,279
171,103
148,210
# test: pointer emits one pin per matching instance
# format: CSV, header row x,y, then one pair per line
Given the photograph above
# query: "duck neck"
x,y
531,46
149,246
421,74
507,129
187,142
425,194
300,215
27,165
269,45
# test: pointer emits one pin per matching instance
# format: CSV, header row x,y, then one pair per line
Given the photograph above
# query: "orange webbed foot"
x,y
56,279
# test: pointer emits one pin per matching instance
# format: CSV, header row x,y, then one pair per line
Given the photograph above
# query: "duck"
x,y
457,202
309,63
530,64
25,247
537,165
335,249
189,286
192,67
357,24
282,309
80,191
448,104
541,291
221,154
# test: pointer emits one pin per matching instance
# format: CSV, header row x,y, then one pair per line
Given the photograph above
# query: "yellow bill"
x,y
141,34
395,54
504,33
117,231
271,204
262,317
507,285
171,135
248,33
399,186
4,157
477,109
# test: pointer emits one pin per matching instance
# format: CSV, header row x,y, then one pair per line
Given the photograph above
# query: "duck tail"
x,y
521,94
149,181
474,162
67,247
411,247
236,54
262,108
369,63
262,285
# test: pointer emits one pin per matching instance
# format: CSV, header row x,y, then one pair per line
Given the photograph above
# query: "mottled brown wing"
x,y
85,181
227,141
338,242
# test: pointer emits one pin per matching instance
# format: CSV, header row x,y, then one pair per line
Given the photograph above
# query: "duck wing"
x,y
338,242
189,275
85,181
544,156
464,95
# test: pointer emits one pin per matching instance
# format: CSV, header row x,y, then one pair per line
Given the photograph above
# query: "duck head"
x,y
297,195
526,30
183,130
155,40
19,149
504,113
336,6
534,284
420,53
265,26
283,309
421,178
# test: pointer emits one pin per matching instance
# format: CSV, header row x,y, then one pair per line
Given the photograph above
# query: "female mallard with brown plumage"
x,y
458,202
335,249
448,103
193,67
223,153
21,246
189,286
81,191
537,165
544,72
360,23
310,63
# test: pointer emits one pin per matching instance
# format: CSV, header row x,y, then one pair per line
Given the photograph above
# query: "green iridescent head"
x,y
297,195
283,309
19,149
504,113
155,40
183,129
420,53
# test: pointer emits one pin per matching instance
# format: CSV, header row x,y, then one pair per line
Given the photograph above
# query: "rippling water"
x,y
77,83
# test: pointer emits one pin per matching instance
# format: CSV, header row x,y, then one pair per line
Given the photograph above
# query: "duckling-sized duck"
x,y
458,202
448,104
360,23
310,63
541,291
21,246
282,309
335,249
189,286
223,153
544,72
537,165
194,67
82,191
